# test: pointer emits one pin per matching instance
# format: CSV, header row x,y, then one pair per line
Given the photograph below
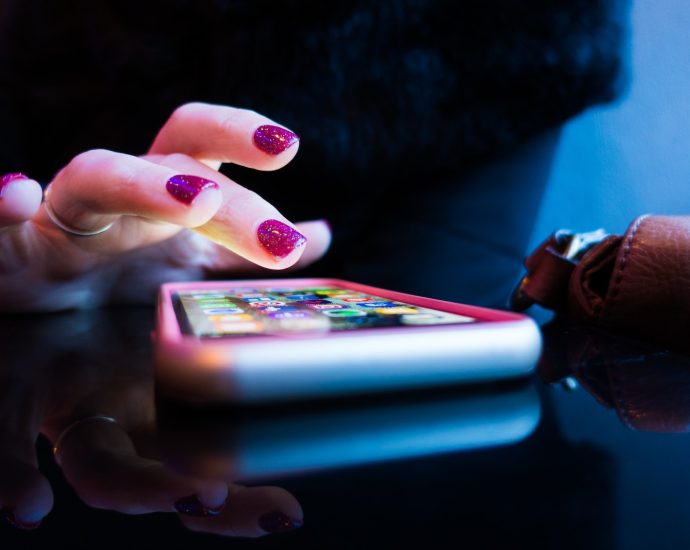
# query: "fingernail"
x,y
274,139
14,522
7,178
277,522
279,239
185,188
191,506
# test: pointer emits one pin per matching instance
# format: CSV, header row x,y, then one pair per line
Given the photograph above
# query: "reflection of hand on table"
x,y
61,372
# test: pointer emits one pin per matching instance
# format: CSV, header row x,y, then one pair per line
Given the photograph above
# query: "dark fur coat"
x,y
387,95
438,83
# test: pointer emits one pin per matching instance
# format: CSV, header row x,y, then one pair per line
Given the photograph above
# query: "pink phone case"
x,y
302,365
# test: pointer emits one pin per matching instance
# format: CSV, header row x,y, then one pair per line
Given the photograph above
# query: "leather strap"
x,y
550,267
638,283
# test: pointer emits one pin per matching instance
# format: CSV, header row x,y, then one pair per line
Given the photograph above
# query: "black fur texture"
x,y
388,87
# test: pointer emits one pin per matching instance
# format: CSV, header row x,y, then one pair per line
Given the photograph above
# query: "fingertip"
x,y
252,512
274,156
197,198
26,497
283,500
213,494
20,198
284,244
319,237
38,504
318,232
276,521
218,133
274,140
204,207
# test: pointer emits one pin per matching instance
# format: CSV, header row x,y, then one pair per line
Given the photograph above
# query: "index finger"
x,y
104,467
220,134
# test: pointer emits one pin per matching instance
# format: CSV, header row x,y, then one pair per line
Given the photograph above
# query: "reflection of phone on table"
x,y
246,445
267,340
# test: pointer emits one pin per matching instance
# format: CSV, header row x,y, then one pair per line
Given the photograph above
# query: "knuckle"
x,y
219,119
88,159
98,165
175,160
232,119
249,114
178,161
186,110
226,123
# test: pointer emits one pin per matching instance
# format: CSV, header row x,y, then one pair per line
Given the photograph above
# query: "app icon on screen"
x,y
397,310
223,311
282,314
310,324
239,328
330,291
231,318
376,304
300,297
345,313
216,303
272,309
325,306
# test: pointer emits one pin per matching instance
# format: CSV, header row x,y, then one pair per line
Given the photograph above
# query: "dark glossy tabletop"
x,y
591,453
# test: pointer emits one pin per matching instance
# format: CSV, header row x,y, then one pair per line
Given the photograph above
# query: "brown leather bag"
x,y
638,283
649,389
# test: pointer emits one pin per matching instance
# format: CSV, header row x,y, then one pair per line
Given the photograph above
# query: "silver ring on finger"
x,y
66,227
80,422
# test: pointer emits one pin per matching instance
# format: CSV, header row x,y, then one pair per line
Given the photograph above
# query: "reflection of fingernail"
x,y
277,522
7,178
186,188
274,139
191,506
14,522
279,239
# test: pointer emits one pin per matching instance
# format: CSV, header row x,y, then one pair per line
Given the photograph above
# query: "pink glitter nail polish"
x,y
274,139
191,506
279,239
277,522
185,188
7,178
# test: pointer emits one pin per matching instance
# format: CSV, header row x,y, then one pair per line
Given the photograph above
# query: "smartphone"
x,y
286,339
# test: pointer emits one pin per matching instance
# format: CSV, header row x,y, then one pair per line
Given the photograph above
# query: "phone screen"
x,y
222,313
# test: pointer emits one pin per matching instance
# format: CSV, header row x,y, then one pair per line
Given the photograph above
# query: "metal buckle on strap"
x,y
580,243
552,262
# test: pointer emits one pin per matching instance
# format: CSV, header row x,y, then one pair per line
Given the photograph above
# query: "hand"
x,y
164,227
53,376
